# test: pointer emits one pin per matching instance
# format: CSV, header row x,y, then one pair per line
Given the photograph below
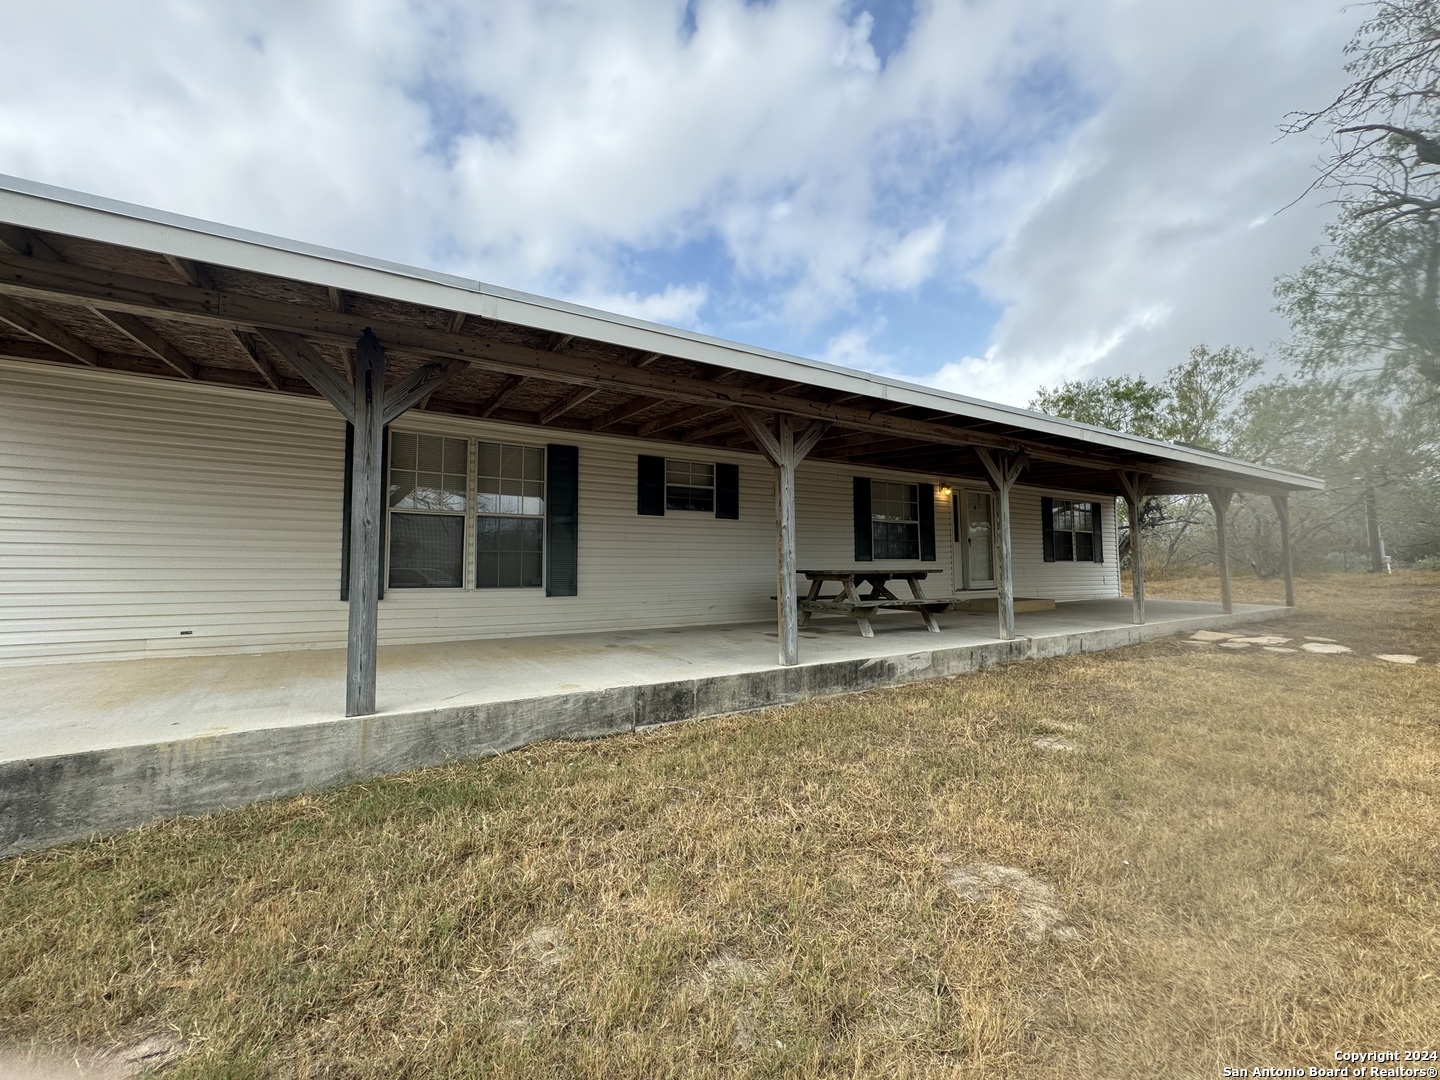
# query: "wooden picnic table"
x,y
848,600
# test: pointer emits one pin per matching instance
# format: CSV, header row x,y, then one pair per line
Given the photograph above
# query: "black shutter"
x,y
1047,526
384,503
345,512
727,491
927,522
650,486
955,514
562,520
345,507
1097,532
864,542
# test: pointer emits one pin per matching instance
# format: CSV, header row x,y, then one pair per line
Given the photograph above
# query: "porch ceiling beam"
x,y
31,349
25,243
706,431
568,402
138,331
301,355
251,348
21,277
419,385
680,416
195,275
41,328
624,411
507,390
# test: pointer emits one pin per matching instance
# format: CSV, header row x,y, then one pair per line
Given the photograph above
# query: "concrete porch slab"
x,y
99,746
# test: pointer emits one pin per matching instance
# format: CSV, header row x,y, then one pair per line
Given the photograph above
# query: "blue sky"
x,y
981,195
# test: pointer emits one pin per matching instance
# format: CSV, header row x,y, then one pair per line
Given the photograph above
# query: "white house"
x,y
216,441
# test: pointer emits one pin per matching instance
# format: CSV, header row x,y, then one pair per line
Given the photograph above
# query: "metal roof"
x,y
62,212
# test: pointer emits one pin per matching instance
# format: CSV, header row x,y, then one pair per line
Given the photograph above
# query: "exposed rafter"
x,y
37,326
457,322
707,431
568,402
194,273
337,298
624,411
88,286
138,331
507,390
680,416
251,347
18,241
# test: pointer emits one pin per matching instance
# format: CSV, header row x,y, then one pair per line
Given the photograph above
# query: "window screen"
x,y
895,520
1074,531
689,485
427,504
510,516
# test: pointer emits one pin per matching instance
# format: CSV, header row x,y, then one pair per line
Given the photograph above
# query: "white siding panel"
x,y
1034,577
133,510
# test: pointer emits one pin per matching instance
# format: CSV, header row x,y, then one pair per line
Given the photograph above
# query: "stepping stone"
x,y
1210,635
1397,658
1202,644
1234,644
1278,648
1264,639
1324,647
1327,640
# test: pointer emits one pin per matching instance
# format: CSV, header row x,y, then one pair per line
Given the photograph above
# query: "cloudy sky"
x,y
983,195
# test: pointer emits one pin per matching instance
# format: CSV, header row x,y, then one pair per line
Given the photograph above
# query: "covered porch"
x,y
105,745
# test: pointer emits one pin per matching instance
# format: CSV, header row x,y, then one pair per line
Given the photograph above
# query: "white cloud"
x,y
1144,238
1098,170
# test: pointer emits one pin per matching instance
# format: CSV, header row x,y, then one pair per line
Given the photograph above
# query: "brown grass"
x,y
1247,849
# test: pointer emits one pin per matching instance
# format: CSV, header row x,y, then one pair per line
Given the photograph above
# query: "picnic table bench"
x,y
849,602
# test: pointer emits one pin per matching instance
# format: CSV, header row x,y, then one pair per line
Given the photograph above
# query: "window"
x,y
689,485
1074,527
895,520
509,516
428,478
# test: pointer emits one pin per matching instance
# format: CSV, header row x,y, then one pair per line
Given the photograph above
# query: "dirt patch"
x,y
1057,744
154,1053
545,947
1037,907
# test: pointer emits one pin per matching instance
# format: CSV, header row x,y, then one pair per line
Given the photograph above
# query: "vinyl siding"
x,y
133,510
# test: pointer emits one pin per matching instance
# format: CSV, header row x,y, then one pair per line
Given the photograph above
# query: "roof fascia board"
x,y
65,212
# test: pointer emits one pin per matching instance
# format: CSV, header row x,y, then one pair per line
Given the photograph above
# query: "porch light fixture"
x,y
943,491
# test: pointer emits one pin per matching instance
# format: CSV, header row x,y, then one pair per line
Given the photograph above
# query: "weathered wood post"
x,y
1287,565
785,452
1220,500
1135,485
365,511
1003,468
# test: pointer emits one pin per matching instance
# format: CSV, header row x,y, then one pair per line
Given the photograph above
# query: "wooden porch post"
x,y
365,510
1135,485
1220,500
1287,566
785,452
1003,469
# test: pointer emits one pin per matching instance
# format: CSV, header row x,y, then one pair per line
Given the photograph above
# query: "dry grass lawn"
x,y
1238,868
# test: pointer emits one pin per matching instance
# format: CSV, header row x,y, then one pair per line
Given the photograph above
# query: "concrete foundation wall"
x,y
49,800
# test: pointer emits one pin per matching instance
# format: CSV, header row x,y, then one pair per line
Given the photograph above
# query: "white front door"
x,y
975,548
